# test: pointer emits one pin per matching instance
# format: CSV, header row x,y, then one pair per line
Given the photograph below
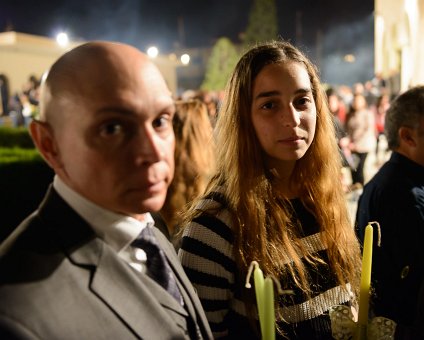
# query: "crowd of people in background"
x,y
358,112
20,107
23,104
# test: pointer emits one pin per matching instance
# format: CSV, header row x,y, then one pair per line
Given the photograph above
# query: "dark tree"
x,y
263,23
223,58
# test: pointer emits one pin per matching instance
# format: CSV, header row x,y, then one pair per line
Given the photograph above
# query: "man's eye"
x,y
161,122
111,129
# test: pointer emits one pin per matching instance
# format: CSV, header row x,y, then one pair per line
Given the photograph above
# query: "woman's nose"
x,y
290,116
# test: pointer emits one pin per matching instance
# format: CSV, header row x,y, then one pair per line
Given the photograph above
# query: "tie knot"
x,y
146,240
147,234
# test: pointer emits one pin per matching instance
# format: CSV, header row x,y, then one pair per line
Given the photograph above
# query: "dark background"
x,y
326,30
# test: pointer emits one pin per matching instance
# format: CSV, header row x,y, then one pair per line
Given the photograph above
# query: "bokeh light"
x,y
62,39
152,52
185,59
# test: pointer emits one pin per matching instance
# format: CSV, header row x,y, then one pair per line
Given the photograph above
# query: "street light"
x,y
62,39
152,52
185,59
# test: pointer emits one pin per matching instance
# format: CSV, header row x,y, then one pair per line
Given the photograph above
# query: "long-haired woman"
x,y
194,160
276,199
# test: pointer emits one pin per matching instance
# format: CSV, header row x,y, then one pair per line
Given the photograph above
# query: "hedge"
x,y
17,154
23,185
15,137
24,178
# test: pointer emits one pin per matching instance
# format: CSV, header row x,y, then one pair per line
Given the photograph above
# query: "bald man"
x,y
70,270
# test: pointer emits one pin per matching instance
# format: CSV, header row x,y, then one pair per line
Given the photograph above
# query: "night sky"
x,y
325,30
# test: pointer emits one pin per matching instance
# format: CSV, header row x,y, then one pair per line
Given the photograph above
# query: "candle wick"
x,y
378,232
278,286
249,273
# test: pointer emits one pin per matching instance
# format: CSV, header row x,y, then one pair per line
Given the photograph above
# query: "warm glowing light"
x,y
62,39
172,57
411,7
185,59
379,23
349,58
152,52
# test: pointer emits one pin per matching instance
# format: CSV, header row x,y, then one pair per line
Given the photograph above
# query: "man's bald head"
x,y
84,71
109,132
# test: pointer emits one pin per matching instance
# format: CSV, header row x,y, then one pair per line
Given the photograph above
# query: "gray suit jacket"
x,y
59,281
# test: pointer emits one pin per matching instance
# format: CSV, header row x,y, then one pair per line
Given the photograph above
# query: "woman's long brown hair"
x,y
263,229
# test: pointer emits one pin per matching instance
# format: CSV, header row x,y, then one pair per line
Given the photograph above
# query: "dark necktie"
x,y
157,265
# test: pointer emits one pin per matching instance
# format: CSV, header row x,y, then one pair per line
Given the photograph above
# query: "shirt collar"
x,y
115,229
413,168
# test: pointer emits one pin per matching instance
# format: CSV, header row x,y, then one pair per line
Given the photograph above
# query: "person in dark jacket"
x,y
394,198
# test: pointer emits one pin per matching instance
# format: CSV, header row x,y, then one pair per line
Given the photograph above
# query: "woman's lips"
x,y
291,139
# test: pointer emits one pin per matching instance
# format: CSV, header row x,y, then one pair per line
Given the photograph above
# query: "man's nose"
x,y
148,148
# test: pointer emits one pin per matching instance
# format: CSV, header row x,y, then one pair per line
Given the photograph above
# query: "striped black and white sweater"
x,y
207,255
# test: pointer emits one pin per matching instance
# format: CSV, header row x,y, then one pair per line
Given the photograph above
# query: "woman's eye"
x,y
268,106
303,101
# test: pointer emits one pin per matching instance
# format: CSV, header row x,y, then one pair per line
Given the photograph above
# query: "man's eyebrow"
x,y
114,109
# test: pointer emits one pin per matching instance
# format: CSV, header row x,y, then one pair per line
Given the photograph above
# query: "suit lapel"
x,y
191,299
136,299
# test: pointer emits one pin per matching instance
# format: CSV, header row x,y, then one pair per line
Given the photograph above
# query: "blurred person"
x,y
360,140
346,94
358,89
194,160
381,106
28,110
31,89
210,98
394,197
24,104
80,266
393,83
273,199
335,106
371,93
379,83
4,95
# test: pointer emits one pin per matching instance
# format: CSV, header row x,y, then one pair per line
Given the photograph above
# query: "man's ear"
x,y
43,137
407,136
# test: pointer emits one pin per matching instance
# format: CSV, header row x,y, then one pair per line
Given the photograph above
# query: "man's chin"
x,y
137,204
153,204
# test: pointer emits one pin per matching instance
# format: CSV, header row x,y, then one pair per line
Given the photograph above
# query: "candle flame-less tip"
x,y
249,273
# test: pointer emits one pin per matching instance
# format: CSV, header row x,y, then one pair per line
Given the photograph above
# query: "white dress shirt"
x,y
116,230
